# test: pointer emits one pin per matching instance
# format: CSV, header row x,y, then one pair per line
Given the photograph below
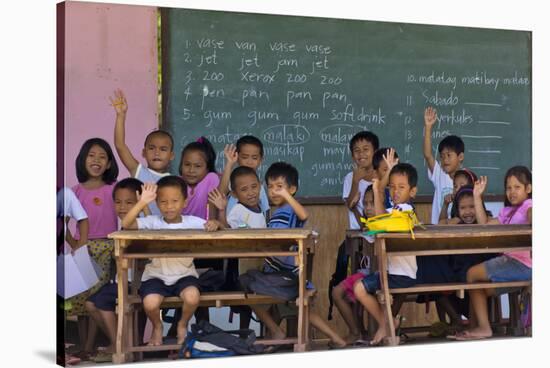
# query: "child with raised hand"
x,y
248,152
450,268
286,213
168,276
245,214
451,155
102,305
401,269
342,294
96,171
158,148
510,266
362,146
462,178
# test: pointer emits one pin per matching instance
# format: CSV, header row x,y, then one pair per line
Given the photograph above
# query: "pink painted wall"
x,y
108,46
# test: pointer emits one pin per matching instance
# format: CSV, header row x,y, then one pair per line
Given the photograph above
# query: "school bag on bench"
x,y
206,341
281,284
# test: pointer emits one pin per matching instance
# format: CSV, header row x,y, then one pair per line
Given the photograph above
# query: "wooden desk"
x,y
240,243
441,240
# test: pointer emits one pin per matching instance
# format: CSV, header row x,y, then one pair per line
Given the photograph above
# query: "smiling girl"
x,y
96,170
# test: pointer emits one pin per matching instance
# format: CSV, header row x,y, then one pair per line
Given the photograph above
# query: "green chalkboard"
x,y
305,85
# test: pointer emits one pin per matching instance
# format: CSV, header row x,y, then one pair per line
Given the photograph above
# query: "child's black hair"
x,y
408,170
369,189
172,181
241,171
453,143
110,175
465,191
468,174
379,156
523,174
204,146
160,132
132,184
250,139
282,170
364,136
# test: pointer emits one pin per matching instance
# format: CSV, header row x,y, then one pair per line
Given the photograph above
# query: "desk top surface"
x,y
454,231
232,234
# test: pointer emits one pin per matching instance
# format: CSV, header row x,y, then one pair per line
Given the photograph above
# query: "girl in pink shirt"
x,y
510,266
96,170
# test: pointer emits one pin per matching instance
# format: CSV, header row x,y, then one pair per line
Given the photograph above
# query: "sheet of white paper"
x,y
87,266
69,279
77,273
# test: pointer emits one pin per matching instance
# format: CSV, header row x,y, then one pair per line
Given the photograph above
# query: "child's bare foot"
x,y
182,332
382,333
474,334
279,335
337,343
156,337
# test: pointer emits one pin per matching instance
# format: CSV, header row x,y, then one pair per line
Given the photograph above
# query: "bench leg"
x,y
514,323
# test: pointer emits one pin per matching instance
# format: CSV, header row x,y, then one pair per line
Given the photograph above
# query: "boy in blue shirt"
x,y
286,212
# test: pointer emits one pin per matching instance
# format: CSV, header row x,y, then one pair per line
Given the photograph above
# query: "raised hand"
x,y
430,117
148,192
359,172
480,186
282,192
448,199
390,159
218,199
230,153
119,102
211,225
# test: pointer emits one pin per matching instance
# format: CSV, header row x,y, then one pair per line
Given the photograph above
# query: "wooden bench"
x,y
131,246
445,240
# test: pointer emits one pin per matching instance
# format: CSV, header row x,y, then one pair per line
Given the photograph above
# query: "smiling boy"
x,y
451,155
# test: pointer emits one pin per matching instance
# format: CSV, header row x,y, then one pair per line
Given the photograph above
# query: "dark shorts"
x,y
157,286
371,282
105,298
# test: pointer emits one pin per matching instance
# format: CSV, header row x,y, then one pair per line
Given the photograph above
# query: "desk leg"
x,y
121,355
383,266
302,344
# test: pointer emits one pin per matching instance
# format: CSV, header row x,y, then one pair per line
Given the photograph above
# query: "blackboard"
x,y
306,85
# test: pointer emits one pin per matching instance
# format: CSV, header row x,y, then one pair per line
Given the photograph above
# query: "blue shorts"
x,y
371,282
105,298
504,268
157,286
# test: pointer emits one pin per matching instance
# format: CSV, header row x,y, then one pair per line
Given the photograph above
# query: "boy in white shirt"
x,y
168,276
451,155
401,269
246,213
362,146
